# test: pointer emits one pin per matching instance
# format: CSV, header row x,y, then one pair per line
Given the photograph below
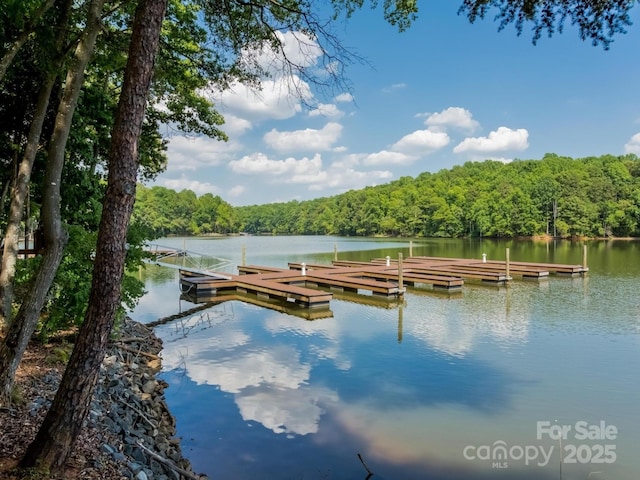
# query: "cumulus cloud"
x,y
296,48
277,99
200,188
190,153
344,98
259,163
499,140
421,142
326,110
452,117
385,157
234,126
304,140
237,190
633,145
351,179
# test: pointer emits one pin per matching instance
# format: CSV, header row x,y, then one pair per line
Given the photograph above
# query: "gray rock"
x,y
149,386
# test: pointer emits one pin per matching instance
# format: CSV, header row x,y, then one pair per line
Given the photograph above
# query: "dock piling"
x,y
584,256
244,255
400,277
335,251
507,263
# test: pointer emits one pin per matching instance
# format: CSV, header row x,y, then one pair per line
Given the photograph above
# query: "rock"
x,y
142,476
149,386
106,448
129,401
154,364
134,467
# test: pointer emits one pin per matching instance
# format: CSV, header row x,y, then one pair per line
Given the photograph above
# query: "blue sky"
x,y
440,94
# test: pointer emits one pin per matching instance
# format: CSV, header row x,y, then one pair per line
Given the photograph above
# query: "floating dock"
x,y
311,285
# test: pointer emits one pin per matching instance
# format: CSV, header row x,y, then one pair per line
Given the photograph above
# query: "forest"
x,y
555,196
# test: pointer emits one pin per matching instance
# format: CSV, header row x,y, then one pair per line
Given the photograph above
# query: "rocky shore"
x,y
130,432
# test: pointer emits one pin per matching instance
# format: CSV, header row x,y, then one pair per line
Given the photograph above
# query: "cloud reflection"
x,y
285,410
456,332
270,385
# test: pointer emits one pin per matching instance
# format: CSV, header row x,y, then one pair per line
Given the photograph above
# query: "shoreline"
x,y
129,433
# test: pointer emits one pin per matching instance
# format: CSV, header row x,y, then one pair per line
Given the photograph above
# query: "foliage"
x,y
594,196
597,20
166,212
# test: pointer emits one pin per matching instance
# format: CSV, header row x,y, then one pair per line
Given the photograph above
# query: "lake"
x,y
537,380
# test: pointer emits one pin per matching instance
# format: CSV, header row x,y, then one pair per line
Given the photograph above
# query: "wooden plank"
x,y
251,269
551,267
254,284
386,288
310,266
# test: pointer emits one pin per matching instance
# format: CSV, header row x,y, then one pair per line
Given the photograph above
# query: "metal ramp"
x,y
187,260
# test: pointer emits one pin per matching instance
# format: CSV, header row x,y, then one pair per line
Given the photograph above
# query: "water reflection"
x,y
260,394
269,385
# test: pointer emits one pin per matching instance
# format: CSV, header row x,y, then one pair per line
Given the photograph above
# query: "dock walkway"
x,y
302,283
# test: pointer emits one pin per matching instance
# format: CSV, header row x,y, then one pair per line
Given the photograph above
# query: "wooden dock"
x,y
310,285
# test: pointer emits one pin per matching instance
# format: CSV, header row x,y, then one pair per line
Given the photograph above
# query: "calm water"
x,y
473,385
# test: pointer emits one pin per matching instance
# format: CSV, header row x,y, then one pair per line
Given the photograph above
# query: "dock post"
x,y
484,258
584,256
507,262
304,268
244,255
388,261
335,252
400,277
411,248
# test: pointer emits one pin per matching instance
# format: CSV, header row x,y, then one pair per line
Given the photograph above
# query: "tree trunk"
x,y
61,426
18,197
22,327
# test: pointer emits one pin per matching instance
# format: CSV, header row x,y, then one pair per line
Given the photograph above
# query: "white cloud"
x,y
633,146
421,142
259,163
234,125
326,110
304,140
385,157
200,188
296,48
452,117
190,153
350,160
394,87
344,98
352,179
277,99
236,191
498,141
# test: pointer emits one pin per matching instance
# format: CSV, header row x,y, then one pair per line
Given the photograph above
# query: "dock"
x,y
311,286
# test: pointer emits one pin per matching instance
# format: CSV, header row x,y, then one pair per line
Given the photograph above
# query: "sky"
x,y
440,94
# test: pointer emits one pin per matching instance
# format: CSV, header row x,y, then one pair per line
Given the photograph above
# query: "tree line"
x,y
556,196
